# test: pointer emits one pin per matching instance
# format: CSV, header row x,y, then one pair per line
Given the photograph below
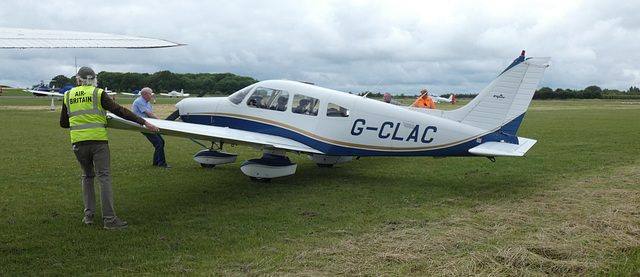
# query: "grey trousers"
x,y
95,160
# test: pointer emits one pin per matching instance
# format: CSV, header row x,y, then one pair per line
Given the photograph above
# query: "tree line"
x,y
546,93
200,83
228,83
590,92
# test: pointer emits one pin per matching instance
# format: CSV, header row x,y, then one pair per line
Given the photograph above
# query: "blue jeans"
x,y
158,143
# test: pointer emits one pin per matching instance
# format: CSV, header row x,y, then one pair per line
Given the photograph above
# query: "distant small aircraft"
x,y
109,92
133,93
175,93
44,90
438,99
331,126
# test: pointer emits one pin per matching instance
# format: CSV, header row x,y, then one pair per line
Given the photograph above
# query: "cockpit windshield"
x,y
237,96
267,98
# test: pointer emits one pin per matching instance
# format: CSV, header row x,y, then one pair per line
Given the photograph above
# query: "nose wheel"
x,y
213,156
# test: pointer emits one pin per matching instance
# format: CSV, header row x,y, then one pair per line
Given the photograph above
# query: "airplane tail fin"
x,y
452,98
502,104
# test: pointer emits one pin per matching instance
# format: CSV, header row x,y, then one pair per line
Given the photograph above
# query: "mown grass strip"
x,y
568,207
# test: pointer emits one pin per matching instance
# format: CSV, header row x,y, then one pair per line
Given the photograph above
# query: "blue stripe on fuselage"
x,y
337,150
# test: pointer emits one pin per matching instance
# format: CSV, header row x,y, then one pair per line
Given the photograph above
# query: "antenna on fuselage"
x,y
369,91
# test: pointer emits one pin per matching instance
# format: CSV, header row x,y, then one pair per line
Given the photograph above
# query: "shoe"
x,y
117,223
165,166
88,219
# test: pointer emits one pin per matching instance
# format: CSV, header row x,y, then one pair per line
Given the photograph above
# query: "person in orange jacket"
x,y
424,101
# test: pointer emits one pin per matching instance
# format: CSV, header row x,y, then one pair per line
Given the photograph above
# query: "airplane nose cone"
x,y
179,105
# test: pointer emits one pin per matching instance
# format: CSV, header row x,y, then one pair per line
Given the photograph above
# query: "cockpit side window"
x,y
303,104
237,96
267,98
335,110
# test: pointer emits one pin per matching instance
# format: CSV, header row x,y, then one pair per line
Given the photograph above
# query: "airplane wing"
x,y
53,93
34,38
165,94
211,133
48,93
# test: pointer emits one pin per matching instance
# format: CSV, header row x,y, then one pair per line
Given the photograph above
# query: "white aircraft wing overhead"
x,y
34,38
211,133
49,93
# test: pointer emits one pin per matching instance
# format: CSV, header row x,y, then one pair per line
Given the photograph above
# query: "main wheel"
x,y
208,165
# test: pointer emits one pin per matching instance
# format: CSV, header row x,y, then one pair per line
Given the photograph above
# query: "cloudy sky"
x,y
382,46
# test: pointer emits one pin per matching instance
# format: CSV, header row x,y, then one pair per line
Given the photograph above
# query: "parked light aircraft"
x,y
43,90
175,93
438,99
133,93
331,127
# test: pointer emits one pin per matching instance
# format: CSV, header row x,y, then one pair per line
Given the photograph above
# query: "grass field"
x,y
570,207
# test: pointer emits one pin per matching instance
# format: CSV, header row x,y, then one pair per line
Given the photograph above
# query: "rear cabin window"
x,y
270,99
335,110
306,105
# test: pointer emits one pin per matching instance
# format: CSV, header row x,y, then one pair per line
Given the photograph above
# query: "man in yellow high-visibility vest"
x,y
84,112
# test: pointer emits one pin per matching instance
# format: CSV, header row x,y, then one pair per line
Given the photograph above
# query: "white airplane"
x,y
438,99
175,93
331,127
44,90
109,92
133,93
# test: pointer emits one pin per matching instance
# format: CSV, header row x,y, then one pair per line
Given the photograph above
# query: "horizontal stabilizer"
x,y
503,149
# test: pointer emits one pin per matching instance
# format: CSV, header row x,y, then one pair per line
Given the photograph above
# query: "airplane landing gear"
x,y
213,156
272,164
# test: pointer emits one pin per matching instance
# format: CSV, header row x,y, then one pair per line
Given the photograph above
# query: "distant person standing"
x,y
84,111
143,108
387,98
424,101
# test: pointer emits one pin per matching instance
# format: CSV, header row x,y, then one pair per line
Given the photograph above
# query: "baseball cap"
x,y
86,73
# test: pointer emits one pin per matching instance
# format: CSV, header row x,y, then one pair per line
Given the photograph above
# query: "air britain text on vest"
x,y
79,97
